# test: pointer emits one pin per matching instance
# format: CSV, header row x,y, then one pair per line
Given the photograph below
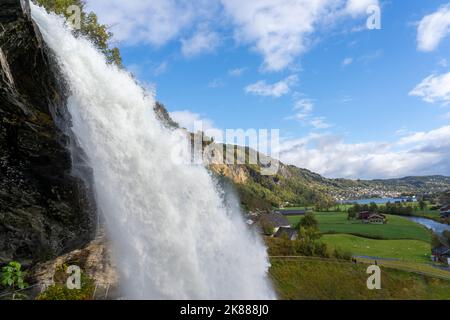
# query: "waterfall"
x,y
173,235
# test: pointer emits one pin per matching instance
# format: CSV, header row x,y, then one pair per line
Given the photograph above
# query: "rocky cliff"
x,y
45,208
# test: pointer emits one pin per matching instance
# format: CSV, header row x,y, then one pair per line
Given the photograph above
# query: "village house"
x,y
441,254
445,211
372,218
272,222
290,233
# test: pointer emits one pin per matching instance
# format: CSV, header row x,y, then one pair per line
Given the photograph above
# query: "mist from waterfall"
x,y
173,234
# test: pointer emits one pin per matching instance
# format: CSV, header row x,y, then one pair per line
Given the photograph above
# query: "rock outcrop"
x,y
45,208
95,260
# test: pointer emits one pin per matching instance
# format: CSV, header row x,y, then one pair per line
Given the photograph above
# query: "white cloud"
x,y
402,132
433,29
276,90
357,7
346,99
434,88
303,109
299,116
320,123
195,122
304,105
204,41
443,63
347,62
422,153
436,138
370,57
155,22
160,68
281,30
187,119
216,83
237,72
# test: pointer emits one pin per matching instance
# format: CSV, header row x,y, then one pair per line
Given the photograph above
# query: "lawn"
x,y
331,280
408,250
396,228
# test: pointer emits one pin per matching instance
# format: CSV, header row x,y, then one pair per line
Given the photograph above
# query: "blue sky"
x,y
349,101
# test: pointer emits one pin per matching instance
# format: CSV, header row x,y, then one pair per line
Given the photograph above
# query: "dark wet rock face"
x,y
45,210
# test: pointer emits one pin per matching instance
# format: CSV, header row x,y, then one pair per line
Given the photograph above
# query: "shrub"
x,y
321,249
342,255
61,292
90,27
309,222
13,277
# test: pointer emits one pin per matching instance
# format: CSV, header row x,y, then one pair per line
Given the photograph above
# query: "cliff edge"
x,y
45,209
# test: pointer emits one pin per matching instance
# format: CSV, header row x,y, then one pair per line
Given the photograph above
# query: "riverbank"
x,y
430,224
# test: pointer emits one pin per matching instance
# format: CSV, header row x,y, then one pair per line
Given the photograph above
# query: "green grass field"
x,y
396,228
408,250
309,279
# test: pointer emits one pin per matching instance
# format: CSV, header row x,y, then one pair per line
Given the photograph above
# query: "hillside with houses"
x,y
293,186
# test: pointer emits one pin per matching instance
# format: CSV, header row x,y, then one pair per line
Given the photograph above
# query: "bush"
x,y
309,222
321,250
342,255
90,27
59,291
13,277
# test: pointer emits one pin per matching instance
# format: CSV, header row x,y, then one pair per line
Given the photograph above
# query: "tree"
x,y
435,241
422,205
309,222
267,228
90,27
373,207
351,215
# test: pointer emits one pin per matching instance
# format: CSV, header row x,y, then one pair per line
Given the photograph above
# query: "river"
x,y
431,224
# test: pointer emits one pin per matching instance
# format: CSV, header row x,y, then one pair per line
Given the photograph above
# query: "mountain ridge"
x,y
297,186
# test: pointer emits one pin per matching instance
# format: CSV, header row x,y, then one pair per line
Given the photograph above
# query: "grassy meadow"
x,y
310,279
401,247
408,250
399,239
397,227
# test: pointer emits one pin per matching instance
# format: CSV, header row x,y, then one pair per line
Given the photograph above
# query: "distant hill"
x,y
390,187
296,186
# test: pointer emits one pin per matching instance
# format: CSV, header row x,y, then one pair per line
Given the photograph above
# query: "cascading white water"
x,y
173,236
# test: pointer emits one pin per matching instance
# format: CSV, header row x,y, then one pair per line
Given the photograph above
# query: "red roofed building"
x,y
372,217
